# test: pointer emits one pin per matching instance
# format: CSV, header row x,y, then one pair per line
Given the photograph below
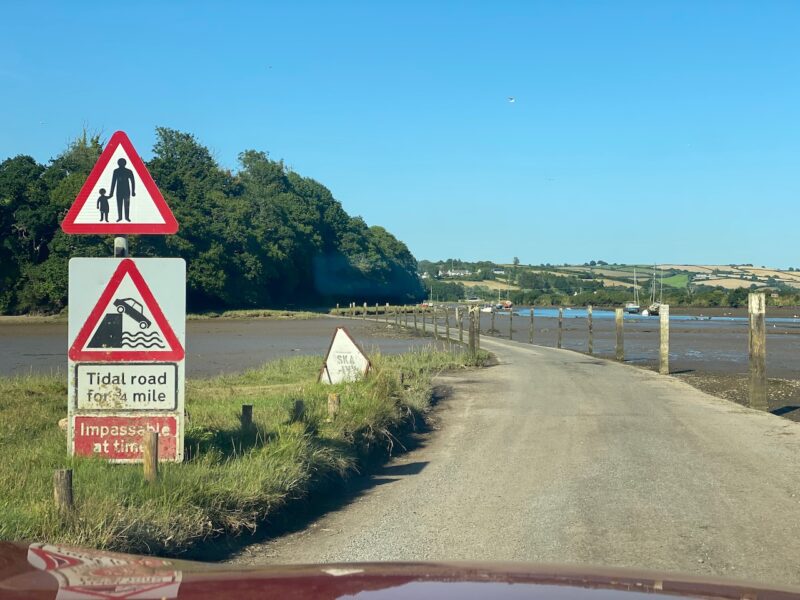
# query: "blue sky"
x,y
640,131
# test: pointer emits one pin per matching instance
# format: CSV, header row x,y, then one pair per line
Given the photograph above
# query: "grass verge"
x,y
232,480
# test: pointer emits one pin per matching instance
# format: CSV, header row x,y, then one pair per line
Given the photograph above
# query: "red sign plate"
x,y
120,438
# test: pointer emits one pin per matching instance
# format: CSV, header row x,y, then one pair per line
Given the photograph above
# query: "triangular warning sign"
x,y
126,323
345,360
119,196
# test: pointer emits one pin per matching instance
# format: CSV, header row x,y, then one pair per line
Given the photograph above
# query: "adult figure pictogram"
x,y
125,184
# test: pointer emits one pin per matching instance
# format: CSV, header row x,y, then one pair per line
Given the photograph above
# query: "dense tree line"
x,y
262,236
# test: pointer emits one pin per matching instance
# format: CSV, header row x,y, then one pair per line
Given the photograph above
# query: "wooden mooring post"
x,y
333,405
460,320
424,326
477,329
473,342
510,323
663,349
619,315
757,309
435,325
150,456
591,328
530,328
415,319
447,323
246,418
560,326
62,491
492,329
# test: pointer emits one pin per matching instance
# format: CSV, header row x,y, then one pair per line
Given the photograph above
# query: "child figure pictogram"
x,y
102,204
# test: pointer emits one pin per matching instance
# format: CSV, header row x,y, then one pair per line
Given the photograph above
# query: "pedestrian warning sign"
x,y
126,323
119,196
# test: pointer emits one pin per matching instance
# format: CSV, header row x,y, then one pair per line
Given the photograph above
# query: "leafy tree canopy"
x,y
262,236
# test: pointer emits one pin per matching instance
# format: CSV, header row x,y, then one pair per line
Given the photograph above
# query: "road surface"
x,y
553,456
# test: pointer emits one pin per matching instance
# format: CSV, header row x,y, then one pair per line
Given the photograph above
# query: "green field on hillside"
x,y
681,280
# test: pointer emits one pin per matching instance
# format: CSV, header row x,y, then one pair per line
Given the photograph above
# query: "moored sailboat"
x,y
633,307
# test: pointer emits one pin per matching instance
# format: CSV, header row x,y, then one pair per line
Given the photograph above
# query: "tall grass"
x,y
232,480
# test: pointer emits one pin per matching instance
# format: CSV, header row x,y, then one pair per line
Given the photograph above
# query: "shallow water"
x,y
212,346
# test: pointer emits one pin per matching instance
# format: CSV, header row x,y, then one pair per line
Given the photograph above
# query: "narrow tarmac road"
x,y
556,457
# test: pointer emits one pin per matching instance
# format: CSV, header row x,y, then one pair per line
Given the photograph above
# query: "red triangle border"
x,y
170,225
126,267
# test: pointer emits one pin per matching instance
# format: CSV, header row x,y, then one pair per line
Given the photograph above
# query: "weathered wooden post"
x,y
246,418
405,315
491,324
397,316
618,317
62,491
364,316
560,326
447,323
333,405
353,309
530,329
756,305
460,319
473,342
477,329
510,321
415,319
435,324
424,310
298,411
150,456
386,313
663,351
376,311
591,328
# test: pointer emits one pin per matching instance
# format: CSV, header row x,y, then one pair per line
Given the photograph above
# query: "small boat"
x,y
487,309
632,308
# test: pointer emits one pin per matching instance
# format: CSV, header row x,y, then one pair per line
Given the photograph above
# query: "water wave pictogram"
x,y
141,339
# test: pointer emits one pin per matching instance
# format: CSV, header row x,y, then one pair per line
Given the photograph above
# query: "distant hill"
x,y
611,284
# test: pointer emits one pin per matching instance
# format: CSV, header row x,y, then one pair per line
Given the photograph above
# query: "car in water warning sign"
x,y
127,322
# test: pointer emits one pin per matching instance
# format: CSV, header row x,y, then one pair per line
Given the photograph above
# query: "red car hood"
x,y
52,571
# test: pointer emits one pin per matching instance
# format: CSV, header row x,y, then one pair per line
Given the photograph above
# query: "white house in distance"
x,y
455,273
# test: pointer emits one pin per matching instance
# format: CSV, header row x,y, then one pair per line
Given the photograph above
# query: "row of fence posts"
x,y
756,337
62,478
